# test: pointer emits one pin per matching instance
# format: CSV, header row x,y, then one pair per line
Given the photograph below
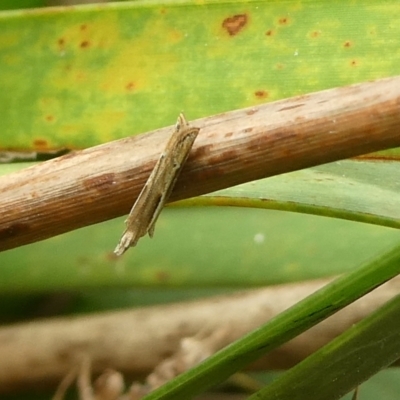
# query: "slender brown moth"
x,y
155,192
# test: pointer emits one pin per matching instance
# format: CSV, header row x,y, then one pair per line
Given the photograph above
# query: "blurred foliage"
x,y
21,4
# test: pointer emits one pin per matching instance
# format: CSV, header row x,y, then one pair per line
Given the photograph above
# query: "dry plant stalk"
x,y
100,183
110,386
136,342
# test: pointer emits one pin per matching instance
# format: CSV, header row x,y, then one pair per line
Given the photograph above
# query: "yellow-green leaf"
x,y
74,77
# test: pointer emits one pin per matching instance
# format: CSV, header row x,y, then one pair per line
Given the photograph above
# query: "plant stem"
x,y
100,183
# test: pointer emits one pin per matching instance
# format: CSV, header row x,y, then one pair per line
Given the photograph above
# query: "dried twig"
x,y
110,384
100,183
65,384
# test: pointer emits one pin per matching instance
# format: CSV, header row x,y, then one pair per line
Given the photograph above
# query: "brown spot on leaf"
x,y
41,143
347,44
279,66
49,118
261,94
354,63
228,135
315,34
235,24
269,32
61,42
100,183
283,21
162,276
84,44
130,86
83,27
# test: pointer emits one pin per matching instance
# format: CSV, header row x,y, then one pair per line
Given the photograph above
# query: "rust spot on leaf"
x,y
261,94
40,143
130,86
101,183
162,276
235,24
84,44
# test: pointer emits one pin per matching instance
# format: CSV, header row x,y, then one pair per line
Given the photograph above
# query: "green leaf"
x,y
20,4
344,363
365,191
75,77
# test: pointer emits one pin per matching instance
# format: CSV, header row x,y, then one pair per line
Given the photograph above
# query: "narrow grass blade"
x,y
343,364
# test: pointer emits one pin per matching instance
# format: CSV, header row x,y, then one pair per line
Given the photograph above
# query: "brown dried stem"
x,y
100,183
136,342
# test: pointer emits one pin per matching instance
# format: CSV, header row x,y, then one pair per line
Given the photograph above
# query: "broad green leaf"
x,y
365,191
78,76
20,4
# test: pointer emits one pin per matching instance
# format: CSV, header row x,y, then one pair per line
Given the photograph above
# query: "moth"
x,y
156,191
